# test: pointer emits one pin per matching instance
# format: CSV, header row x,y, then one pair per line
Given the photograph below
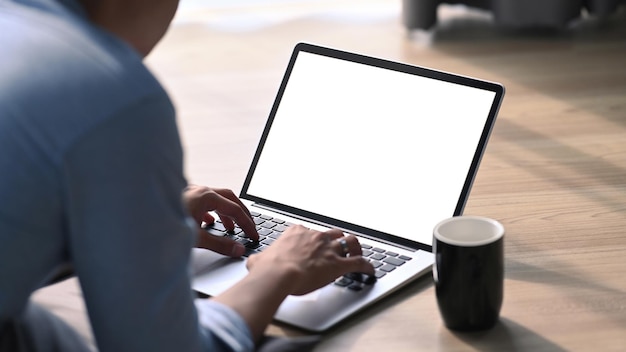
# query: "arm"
x,y
300,261
130,239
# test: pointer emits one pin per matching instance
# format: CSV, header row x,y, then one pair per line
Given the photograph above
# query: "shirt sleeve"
x,y
224,329
130,241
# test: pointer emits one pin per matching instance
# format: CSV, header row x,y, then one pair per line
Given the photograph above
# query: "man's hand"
x,y
311,259
201,200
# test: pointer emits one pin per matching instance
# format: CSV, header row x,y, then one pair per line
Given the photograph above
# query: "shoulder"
x,y
61,73
51,48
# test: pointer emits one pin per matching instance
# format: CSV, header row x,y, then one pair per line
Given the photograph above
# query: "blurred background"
x,y
223,60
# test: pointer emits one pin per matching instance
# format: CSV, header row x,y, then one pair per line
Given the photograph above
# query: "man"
x,y
91,175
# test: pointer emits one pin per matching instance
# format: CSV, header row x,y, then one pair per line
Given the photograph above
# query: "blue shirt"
x,y
91,173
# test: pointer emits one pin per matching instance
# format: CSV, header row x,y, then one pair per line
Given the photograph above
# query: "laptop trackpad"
x,y
320,309
214,273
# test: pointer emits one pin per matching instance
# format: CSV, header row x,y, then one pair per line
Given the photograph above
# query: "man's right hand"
x,y
312,259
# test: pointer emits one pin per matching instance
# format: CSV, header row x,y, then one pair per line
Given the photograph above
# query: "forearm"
x,y
299,262
257,297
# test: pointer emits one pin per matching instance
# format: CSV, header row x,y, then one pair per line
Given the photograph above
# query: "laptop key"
x,y
250,251
268,224
379,274
268,241
280,228
264,231
275,234
388,267
355,287
361,277
252,245
214,231
270,228
377,256
218,226
376,264
243,240
343,281
393,261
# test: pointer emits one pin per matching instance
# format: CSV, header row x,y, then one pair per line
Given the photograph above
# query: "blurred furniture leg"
x,y
536,13
419,14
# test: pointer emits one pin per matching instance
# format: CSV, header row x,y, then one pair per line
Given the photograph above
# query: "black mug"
x,y
469,271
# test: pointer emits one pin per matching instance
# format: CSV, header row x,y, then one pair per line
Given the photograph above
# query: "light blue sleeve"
x,y
223,326
130,242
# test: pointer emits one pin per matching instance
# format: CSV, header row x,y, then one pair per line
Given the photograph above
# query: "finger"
x,y
228,223
347,246
344,248
227,193
208,218
230,210
222,245
333,234
245,223
356,264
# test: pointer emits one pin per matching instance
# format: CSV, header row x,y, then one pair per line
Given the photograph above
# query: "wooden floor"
x,y
554,172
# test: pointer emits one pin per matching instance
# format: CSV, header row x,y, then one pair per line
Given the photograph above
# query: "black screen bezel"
x,y
497,88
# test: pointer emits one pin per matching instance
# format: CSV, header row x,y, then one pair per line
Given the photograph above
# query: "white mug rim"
x,y
498,235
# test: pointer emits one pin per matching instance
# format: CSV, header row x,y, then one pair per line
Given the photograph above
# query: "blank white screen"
x,y
382,149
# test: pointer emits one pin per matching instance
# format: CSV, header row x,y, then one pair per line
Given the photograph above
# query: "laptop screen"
x,y
382,148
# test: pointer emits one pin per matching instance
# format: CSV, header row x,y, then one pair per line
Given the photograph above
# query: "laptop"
x,y
379,149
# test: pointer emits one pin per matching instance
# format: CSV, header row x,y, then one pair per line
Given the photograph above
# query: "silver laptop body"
x,y
379,149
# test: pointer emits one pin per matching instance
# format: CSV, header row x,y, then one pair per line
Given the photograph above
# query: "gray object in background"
x,y
422,14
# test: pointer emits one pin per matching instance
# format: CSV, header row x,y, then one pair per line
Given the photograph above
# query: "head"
x,y
141,23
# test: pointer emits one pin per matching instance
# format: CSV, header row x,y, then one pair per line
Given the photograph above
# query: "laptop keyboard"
x,y
271,228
